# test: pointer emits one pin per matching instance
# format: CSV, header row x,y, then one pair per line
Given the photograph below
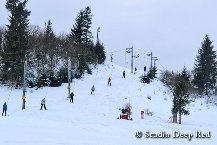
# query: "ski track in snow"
x,y
91,119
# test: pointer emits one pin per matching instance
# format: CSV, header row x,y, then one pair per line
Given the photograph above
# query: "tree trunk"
x,y
174,117
180,117
51,66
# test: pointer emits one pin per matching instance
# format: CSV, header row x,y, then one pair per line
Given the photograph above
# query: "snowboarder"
x,y
71,97
43,104
109,81
92,90
135,70
123,74
4,108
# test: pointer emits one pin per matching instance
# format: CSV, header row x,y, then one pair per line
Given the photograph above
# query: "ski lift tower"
x,y
152,59
69,76
130,50
98,30
24,85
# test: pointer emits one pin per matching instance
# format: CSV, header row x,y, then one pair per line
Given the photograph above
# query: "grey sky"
x,y
172,29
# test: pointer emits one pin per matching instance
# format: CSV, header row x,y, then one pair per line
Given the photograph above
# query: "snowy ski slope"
x,y
92,119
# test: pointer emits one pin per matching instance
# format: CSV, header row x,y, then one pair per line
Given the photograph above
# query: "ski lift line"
x,y
125,60
117,50
95,76
9,96
161,65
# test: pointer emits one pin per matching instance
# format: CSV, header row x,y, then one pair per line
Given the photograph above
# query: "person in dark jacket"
x,y
109,81
123,74
92,90
135,70
71,97
43,104
4,108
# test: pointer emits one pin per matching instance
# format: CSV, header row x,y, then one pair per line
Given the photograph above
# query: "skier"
x,y
92,90
4,108
43,104
71,97
109,81
123,74
135,70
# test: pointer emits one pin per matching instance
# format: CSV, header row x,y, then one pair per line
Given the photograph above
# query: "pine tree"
x,y
82,36
145,79
76,34
1,39
154,72
81,33
100,52
181,98
16,41
185,74
205,69
50,46
87,25
150,75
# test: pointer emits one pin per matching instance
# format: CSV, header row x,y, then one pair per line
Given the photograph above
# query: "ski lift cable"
x,y
95,76
125,60
161,65
117,51
45,92
9,96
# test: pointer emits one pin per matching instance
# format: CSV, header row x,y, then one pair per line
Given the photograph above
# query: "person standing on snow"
x,y
109,81
71,97
43,104
92,90
135,70
4,108
123,74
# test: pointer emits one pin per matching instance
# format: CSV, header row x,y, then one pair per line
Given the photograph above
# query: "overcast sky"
x,y
172,29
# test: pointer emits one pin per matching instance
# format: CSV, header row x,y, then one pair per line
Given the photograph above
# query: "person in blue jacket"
x,y
4,108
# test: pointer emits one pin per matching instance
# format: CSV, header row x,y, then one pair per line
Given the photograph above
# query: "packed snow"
x,y
92,119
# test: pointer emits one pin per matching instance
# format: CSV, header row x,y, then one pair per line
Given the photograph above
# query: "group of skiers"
x,y
124,74
43,101
93,87
5,107
109,81
70,96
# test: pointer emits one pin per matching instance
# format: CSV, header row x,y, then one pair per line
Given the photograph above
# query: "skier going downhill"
x,y
109,81
4,108
92,90
43,104
123,74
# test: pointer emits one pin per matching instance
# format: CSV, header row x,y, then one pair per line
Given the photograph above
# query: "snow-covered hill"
x,y
92,119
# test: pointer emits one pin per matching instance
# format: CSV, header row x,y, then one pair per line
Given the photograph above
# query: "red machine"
x,y
125,113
